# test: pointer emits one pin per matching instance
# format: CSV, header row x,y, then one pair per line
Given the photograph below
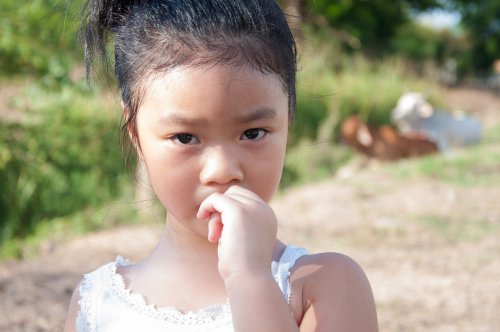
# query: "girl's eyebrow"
x,y
179,119
262,113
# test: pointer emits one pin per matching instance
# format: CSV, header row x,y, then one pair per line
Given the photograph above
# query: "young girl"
x,y
208,92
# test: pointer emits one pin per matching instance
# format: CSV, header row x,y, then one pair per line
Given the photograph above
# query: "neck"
x,y
186,248
179,270
182,246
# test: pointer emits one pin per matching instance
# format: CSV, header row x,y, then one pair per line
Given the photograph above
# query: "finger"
x,y
206,208
214,203
242,192
215,227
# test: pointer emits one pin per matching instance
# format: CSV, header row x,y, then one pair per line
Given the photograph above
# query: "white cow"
x,y
413,114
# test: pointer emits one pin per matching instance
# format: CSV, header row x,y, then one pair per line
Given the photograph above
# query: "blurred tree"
x,y
481,18
415,42
376,26
38,37
418,42
370,24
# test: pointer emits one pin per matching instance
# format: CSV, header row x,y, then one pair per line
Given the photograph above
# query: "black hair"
x,y
154,36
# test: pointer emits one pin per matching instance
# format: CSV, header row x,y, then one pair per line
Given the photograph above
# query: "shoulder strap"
x,y
90,289
281,269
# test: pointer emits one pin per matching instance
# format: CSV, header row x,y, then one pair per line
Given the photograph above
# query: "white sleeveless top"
x,y
107,305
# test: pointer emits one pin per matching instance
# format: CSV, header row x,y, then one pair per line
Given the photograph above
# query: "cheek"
x,y
172,179
266,174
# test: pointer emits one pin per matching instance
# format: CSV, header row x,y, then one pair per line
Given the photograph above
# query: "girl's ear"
x,y
132,133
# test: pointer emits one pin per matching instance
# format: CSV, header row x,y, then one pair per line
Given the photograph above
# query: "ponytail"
x,y
100,19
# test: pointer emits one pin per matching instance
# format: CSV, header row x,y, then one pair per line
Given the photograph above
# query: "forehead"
x,y
220,74
217,88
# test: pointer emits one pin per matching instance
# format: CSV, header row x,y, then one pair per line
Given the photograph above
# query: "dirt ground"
x,y
426,275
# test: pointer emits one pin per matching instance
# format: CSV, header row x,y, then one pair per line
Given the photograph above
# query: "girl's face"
x,y
204,129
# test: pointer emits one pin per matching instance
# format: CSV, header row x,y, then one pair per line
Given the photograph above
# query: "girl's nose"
x,y
220,166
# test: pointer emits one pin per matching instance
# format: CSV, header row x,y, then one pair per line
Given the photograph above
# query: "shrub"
x,y
64,157
38,37
309,161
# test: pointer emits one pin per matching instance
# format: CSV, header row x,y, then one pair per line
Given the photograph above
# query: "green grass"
x,y
477,165
64,156
309,162
458,229
57,230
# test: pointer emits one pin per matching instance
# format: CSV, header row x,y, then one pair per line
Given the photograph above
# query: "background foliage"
x,y
38,38
60,160
357,57
378,27
481,19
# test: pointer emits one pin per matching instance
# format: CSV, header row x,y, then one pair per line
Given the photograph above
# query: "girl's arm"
x,y
246,228
337,295
257,303
70,325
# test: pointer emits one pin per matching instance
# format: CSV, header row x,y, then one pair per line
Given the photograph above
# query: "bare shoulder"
x,y
329,266
337,295
73,308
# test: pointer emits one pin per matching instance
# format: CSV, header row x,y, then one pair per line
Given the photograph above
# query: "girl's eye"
x,y
186,139
253,134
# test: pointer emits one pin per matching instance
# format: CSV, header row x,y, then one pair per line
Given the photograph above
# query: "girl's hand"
x,y
245,227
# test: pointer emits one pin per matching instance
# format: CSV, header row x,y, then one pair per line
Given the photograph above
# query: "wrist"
x,y
247,277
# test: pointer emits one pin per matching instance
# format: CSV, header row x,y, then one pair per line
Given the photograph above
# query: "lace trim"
x,y
213,316
216,314
86,317
281,269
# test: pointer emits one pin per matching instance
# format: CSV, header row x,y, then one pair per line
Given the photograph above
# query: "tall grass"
x,y
65,156
333,85
473,166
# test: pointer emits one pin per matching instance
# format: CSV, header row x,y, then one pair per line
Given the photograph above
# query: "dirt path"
x,y
427,275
